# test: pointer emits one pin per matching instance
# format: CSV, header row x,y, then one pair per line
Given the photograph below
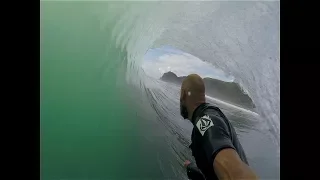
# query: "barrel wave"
x,y
102,117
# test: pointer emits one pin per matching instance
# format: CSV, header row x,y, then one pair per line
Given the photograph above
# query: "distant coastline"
x,y
226,91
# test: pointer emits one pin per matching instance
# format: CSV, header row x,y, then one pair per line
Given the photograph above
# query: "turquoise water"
x,y
102,118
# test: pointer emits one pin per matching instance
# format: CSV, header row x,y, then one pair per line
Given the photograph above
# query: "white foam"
x,y
232,105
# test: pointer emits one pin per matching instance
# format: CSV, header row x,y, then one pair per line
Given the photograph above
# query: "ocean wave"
x,y
241,38
97,100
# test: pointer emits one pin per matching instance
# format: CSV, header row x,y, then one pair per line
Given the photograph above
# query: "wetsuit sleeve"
x,y
214,137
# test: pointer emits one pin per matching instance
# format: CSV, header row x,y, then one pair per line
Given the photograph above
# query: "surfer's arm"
x,y
217,143
228,165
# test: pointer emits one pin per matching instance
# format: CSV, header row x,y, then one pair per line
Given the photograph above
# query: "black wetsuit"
x,y
211,133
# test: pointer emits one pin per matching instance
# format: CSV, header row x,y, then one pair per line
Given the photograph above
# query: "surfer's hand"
x,y
192,171
186,163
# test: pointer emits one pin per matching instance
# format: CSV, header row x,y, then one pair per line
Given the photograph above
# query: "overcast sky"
x,y
161,60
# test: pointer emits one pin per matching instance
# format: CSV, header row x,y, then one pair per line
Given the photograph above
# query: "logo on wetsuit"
x,y
204,124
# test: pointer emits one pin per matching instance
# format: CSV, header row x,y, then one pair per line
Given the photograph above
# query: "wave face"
x,y
103,118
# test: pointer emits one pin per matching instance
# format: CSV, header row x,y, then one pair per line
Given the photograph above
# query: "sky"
x,y
161,60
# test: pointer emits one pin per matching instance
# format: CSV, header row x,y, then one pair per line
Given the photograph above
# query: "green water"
x,y
93,125
87,130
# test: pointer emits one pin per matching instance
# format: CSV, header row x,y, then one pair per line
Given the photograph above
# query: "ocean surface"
x,y
103,118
